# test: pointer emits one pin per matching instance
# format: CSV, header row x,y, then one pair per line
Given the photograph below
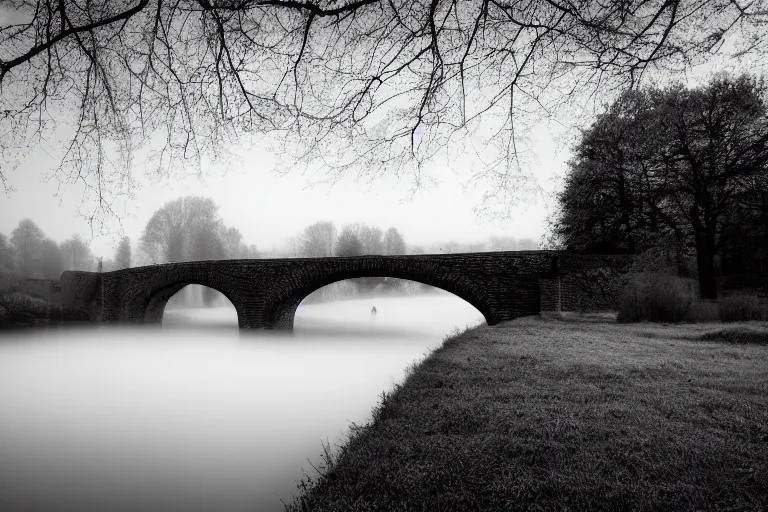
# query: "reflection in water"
x,y
197,415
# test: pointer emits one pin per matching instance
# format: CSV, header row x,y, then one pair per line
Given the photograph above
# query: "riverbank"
x,y
545,414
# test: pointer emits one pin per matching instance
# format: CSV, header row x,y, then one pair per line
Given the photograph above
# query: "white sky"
x,y
268,209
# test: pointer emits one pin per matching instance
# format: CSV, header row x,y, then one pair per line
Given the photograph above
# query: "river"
x,y
197,414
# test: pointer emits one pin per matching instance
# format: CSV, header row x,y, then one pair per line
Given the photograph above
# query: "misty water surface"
x,y
196,414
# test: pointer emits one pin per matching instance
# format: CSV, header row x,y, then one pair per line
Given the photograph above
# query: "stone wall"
x,y
584,283
80,290
549,288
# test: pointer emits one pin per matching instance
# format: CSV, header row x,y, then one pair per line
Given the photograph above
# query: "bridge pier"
x,y
260,314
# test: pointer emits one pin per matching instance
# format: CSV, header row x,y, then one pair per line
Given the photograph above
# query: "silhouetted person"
x,y
373,311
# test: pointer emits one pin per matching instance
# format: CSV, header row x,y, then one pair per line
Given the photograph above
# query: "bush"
x,y
702,311
19,308
741,308
655,297
737,335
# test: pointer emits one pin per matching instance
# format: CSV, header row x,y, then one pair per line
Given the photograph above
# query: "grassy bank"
x,y
564,415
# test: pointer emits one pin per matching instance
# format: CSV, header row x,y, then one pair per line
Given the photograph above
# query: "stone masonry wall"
x,y
550,293
584,283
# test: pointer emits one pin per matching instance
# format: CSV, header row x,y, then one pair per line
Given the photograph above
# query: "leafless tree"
x,y
370,237
348,243
7,255
27,240
77,255
168,234
123,254
234,247
318,240
365,86
52,259
394,243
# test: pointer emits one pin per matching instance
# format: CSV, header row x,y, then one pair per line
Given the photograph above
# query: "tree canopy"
x,y
52,259
123,254
369,85
27,240
168,234
7,255
189,229
77,255
691,164
317,240
394,243
348,243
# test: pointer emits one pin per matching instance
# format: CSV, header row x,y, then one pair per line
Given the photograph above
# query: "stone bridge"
x,y
267,292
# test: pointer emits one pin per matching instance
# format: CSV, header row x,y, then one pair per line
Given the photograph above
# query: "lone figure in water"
x,y
373,311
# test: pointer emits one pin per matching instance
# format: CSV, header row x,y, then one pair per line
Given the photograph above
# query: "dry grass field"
x,y
575,413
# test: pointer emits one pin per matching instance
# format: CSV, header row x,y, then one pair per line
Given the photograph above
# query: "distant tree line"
x,y
326,231
190,229
30,253
323,239
678,167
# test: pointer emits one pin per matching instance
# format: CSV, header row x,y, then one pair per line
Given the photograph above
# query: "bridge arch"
x,y
154,305
280,312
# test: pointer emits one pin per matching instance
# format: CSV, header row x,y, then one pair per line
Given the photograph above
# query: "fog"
x,y
197,414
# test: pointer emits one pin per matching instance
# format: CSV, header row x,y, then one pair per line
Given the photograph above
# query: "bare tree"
x,y
77,255
370,237
234,247
415,249
168,235
27,239
318,240
52,259
348,243
394,243
7,255
365,85
123,254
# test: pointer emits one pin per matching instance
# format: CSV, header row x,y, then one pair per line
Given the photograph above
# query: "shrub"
x,y
740,308
20,308
737,335
702,311
655,297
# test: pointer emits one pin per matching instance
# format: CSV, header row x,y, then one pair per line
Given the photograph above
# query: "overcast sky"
x,y
268,209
